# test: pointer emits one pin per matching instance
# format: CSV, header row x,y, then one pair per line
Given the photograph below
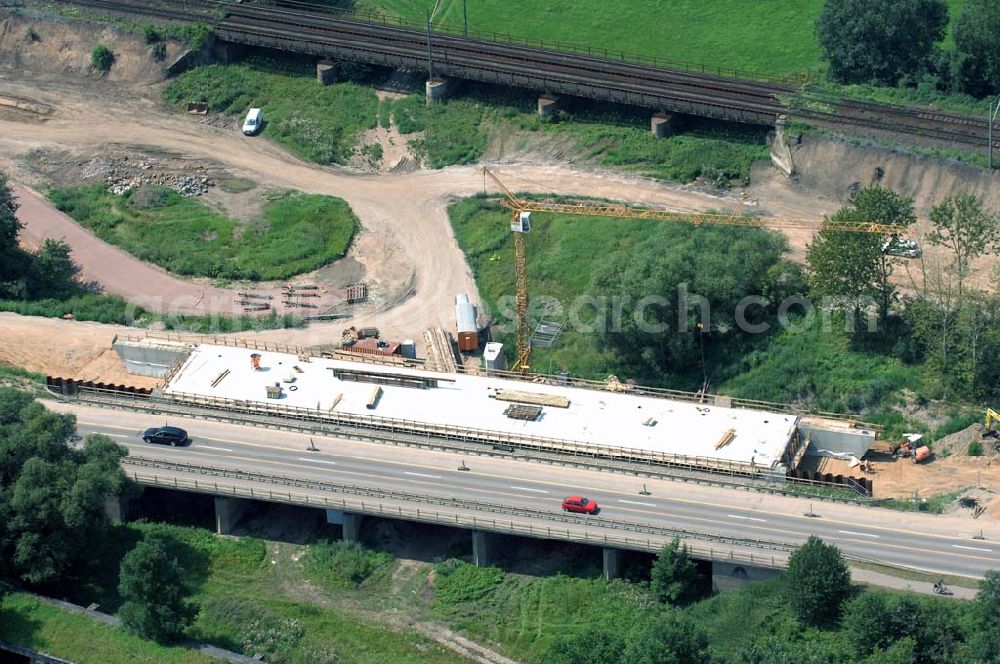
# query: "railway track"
x,y
291,26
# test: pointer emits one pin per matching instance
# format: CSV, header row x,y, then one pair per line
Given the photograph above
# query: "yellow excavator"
x,y
992,418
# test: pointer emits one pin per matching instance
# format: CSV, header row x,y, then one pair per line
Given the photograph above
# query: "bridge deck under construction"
x,y
595,417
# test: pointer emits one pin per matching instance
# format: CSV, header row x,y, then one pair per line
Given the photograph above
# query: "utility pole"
x,y
430,53
992,117
465,19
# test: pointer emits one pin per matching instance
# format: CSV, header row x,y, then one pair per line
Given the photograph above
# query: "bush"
x,y
158,51
150,33
458,582
101,59
343,564
30,35
975,449
148,196
259,631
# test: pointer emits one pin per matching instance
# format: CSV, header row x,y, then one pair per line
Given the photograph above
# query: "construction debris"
x,y
727,438
519,411
531,398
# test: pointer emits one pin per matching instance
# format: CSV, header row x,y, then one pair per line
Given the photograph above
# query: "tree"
x,y
53,272
51,496
658,292
674,577
151,584
854,266
976,30
817,581
984,642
668,638
880,41
961,225
12,257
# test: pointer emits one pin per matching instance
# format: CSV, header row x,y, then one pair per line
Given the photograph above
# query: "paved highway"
x,y
940,544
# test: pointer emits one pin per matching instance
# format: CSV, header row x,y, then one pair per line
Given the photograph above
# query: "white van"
x,y
254,122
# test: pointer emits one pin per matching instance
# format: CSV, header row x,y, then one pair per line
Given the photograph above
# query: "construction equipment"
x,y
520,225
992,417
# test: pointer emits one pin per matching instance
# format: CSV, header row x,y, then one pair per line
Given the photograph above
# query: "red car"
x,y
579,504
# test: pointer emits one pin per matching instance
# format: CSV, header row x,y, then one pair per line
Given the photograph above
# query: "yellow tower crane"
x,y
520,225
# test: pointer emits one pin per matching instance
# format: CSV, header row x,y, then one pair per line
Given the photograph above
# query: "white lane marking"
x,y
332,463
433,477
746,518
118,435
972,548
636,502
209,447
848,532
524,488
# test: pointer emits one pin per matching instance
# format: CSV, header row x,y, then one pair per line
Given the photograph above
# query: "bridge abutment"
x,y
661,124
731,576
228,512
437,89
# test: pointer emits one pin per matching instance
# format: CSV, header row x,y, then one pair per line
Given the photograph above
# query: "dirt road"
x,y
408,210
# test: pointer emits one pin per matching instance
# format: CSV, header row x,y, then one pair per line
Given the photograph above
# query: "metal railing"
x,y
374,502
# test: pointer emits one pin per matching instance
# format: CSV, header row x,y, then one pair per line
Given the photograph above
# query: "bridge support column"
x,y
612,563
661,125
548,105
116,508
352,526
437,89
228,512
730,576
326,72
482,548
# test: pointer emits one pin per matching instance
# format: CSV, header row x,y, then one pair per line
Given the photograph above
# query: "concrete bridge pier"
x,y
228,512
612,563
483,546
437,89
326,72
116,508
548,105
730,576
352,526
661,124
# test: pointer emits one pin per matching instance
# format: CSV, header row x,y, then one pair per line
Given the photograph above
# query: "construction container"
x,y
370,346
493,358
465,318
408,349
368,333
374,398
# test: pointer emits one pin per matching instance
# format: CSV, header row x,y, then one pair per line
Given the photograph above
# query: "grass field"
x,y
297,232
319,123
27,622
767,36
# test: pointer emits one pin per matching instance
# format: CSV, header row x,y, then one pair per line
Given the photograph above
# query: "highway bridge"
x,y
355,478
585,72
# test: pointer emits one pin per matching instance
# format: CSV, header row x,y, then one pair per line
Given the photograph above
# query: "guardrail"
x,y
768,483
378,507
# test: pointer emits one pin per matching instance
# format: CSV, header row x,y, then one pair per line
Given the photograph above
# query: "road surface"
x,y
933,543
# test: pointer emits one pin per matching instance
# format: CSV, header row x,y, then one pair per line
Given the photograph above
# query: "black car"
x,y
166,436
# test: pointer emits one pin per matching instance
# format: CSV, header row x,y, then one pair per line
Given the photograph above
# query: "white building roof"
x,y
593,416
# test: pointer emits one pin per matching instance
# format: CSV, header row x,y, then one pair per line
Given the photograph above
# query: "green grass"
x,y
297,232
769,35
318,123
25,621
818,367
287,611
